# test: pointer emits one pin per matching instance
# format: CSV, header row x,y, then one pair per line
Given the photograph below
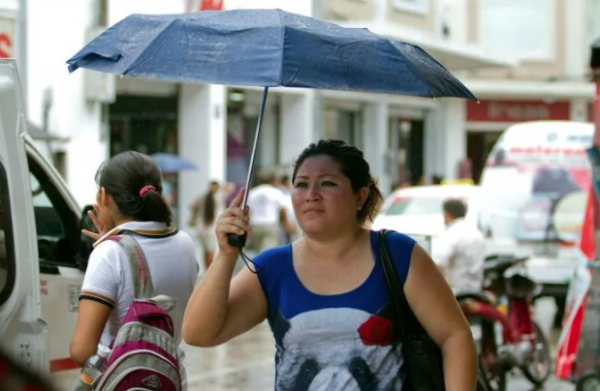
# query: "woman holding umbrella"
x,y
325,295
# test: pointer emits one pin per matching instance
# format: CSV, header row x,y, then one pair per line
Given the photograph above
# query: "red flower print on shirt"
x,y
377,330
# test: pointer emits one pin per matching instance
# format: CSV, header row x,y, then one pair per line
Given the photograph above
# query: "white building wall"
x,y
50,44
297,124
119,9
454,136
375,141
302,7
202,140
455,17
576,51
435,143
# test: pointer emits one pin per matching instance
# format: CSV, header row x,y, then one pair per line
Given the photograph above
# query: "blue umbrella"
x,y
172,163
265,48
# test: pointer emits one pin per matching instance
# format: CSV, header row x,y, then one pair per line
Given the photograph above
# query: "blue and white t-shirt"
x,y
341,342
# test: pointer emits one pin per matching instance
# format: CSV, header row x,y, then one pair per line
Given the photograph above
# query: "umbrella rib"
x,y
459,86
142,58
409,63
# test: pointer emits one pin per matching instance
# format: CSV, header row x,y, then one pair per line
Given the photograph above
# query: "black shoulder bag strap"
x,y
422,357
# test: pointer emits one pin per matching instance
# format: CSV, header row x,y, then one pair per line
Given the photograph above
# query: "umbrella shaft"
x,y
255,146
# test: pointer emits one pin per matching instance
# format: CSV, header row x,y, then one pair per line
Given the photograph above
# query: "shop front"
x,y
486,120
406,140
146,124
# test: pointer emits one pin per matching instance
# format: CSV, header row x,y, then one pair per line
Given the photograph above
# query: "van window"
x,y
7,250
57,227
48,226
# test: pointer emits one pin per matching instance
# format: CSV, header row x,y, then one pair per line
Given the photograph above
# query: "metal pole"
x,y
255,146
22,48
240,240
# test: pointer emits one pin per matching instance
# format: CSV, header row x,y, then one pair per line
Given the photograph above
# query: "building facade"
x,y
95,116
550,41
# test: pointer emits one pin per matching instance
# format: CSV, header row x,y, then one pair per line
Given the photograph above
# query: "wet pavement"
x,y
246,363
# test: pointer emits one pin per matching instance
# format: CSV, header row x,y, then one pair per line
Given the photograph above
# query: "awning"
x,y
523,89
38,134
454,56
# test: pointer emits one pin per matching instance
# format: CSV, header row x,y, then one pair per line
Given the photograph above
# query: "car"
x,y
418,211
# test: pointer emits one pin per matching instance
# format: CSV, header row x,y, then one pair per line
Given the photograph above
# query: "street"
x,y
246,363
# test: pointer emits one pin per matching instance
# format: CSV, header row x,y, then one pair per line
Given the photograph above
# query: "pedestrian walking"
x,y
205,210
460,251
269,213
325,295
129,202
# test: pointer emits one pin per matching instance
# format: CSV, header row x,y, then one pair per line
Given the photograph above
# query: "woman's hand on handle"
x,y
220,307
233,221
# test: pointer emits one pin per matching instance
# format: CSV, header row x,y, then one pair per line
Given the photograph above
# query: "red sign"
x,y
204,5
516,111
6,45
7,37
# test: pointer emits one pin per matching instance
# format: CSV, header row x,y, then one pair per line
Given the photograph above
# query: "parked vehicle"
x,y
43,254
533,193
509,336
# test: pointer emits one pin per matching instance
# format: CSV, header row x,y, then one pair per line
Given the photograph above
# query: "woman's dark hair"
x,y
210,206
353,165
134,182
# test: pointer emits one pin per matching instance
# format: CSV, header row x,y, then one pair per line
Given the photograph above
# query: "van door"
x,y
62,257
22,328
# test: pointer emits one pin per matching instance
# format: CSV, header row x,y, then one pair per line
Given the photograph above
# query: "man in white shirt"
x,y
460,251
268,212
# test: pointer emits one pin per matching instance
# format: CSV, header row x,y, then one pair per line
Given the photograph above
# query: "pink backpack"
x,y
144,352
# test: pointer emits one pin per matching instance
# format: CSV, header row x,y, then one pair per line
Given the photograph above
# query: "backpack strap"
x,y
140,273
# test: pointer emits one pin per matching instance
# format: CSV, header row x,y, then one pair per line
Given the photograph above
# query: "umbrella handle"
x,y
240,240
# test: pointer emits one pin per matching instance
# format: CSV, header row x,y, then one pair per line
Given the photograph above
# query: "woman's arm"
x,y
91,320
221,308
434,305
99,293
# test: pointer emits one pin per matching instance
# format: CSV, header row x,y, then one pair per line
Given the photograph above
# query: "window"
x,y
343,125
519,29
415,206
593,20
7,250
47,220
414,6
57,225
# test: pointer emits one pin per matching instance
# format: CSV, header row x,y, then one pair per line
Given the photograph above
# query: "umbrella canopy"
x,y
265,48
172,163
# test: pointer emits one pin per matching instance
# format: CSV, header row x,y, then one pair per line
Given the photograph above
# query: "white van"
x,y
42,251
534,191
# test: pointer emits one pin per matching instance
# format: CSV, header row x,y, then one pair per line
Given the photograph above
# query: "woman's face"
x,y
323,199
106,208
